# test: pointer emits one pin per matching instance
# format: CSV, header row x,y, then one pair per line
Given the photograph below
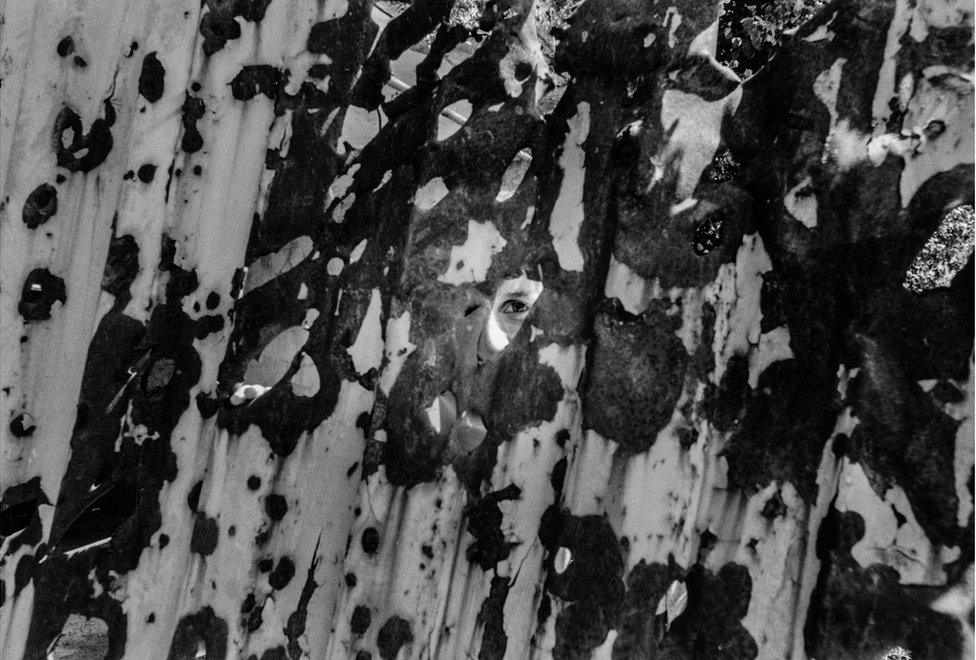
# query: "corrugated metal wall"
x,y
251,407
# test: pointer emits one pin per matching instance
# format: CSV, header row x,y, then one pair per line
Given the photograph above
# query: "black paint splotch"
x,y
282,573
206,533
146,172
863,612
295,626
786,421
152,80
66,47
256,79
394,634
217,28
40,206
83,152
636,374
41,290
19,513
485,524
193,109
201,627
276,506
592,582
121,268
492,618
360,620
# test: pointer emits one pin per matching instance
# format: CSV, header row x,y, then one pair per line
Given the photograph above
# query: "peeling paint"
x,y
567,214
470,262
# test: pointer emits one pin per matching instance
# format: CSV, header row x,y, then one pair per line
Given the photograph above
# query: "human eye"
x,y
514,306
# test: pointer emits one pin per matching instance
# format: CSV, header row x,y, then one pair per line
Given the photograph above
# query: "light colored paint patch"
x,y
674,601
632,290
512,178
470,431
342,183
470,262
367,350
666,474
528,461
683,206
672,19
334,266
452,119
828,475
822,32
339,212
563,559
958,602
266,268
905,548
906,87
310,316
695,125
525,47
357,251
430,194
442,413
335,9
801,202
739,327
965,452
298,66
940,14
387,175
827,84
605,650
567,361
398,349
589,475
705,41
941,95
774,561
881,146
359,126
567,213
247,392
774,346
277,356
845,146
305,381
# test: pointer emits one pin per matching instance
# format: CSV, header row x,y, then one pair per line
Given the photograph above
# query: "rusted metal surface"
x,y
294,366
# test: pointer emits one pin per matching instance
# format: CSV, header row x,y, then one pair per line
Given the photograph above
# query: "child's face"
x,y
511,306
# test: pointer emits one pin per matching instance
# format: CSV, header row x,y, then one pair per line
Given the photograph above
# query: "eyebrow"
x,y
518,293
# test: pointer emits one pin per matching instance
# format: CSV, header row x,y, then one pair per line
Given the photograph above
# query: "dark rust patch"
x,y
152,78
193,109
41,290
40,206
193,629
83,152
636,373
492,618
394,635
206,533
